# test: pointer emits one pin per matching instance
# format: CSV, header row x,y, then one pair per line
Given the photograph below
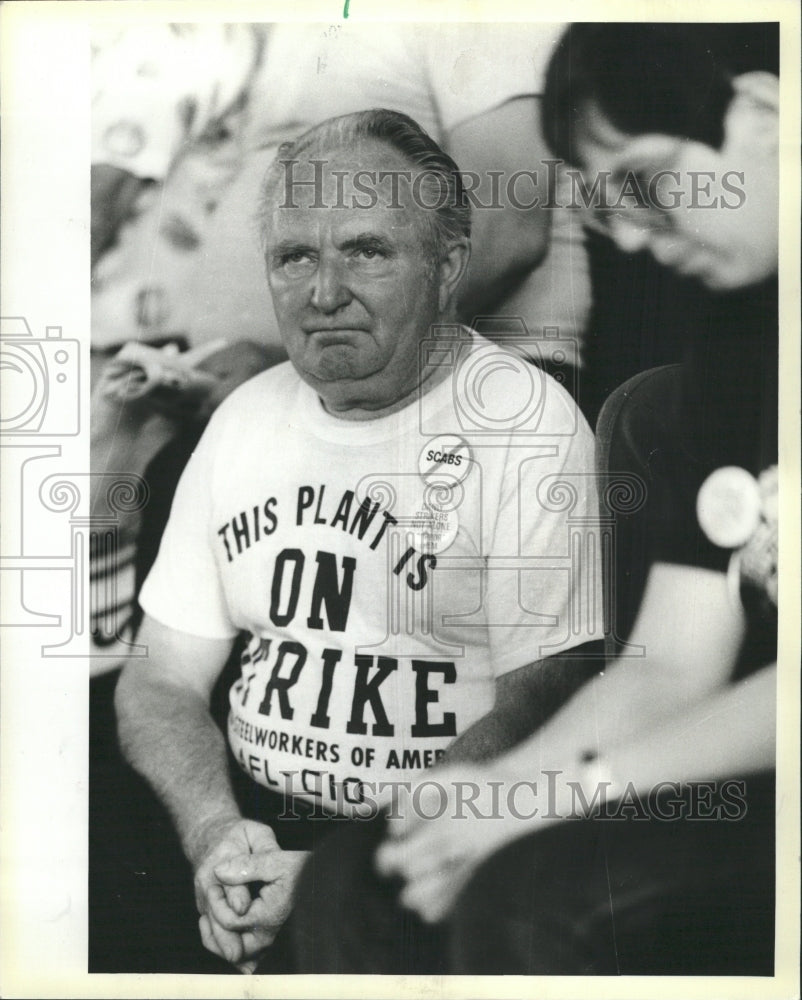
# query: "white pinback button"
x,y
728,506
446,458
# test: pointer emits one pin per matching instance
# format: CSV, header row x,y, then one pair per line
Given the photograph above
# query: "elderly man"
x,y
665,762
355,515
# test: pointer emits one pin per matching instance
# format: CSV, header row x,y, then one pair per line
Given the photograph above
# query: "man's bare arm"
x,y
168,735
510,240
691,633
525,699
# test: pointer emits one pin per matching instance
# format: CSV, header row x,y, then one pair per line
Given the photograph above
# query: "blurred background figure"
x,y
149,406
168,104
192,265
167,116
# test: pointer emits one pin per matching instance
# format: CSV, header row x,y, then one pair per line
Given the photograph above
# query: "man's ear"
x,y
754,111
453,265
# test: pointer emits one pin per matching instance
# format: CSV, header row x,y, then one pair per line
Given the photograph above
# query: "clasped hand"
x,y
244,888
437,836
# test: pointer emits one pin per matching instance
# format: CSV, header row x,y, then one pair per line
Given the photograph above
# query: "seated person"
x,y
656,758
167,110
145,400
387,582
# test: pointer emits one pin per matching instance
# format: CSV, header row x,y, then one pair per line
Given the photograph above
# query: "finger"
x,y
238,897
208,939
218,907
128,384
172,377
396,856
255,942
432,897
390,858
274,901
260,867
420,858
132,386
197,355
229,942
135,356
435,856
133,352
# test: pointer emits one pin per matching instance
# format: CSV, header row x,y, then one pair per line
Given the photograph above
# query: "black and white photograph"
x,y
401,465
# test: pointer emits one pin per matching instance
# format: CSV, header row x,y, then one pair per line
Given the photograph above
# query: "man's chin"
x,y
334,374
338,363
335,383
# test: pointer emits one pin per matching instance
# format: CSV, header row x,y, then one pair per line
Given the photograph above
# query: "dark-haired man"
x,y
355,513
700,142
666,761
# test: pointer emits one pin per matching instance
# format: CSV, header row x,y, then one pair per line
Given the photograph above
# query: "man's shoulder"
x,y
502,381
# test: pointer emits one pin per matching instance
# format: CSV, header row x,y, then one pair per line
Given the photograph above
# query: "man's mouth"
x,y
334,335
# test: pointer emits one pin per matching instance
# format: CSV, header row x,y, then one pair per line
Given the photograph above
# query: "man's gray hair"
x,y
441,187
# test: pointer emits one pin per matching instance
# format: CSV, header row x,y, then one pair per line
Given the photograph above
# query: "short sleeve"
x,y
548,523
183,589
475,67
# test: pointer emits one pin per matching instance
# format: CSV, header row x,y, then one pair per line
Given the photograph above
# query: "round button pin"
x,y
446,458
728,506
431,530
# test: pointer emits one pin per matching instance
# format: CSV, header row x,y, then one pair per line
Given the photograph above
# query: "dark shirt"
x,y
682,422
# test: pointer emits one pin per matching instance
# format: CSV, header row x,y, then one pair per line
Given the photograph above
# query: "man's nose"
x,y
330,287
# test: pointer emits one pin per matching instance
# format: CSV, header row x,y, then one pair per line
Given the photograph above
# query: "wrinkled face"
x,y
355,289
709,214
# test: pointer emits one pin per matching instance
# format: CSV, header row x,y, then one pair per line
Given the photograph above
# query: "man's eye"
x,y
296,262
369,253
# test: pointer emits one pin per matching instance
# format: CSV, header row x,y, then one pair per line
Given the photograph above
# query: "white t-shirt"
x,y
382,584
439,74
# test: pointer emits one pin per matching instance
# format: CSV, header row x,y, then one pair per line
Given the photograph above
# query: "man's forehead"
x,y
366,188
315,225
366,174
